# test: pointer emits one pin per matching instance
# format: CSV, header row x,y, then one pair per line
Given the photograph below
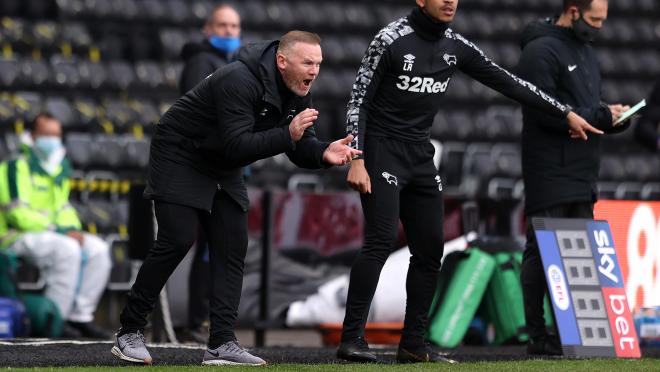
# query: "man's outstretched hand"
x,y
579,127
339,153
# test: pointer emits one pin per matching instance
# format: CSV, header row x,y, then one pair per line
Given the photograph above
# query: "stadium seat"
x,y
7,112
607,190
121,75
478,166
146,112
35,74
77,35
178,11
87,112
92,75
11,71
172,41
65,72
119,113
171,74
640,168
628,191
612,169
44,34
507,160
650,191
27,105
150,75
136,153
79,149
451,164
62,109
107,151
111,46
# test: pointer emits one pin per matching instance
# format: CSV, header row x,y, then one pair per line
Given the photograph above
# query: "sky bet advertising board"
x,y
586,288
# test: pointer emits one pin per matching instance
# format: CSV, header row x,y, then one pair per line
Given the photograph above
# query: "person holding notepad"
x,y
560,172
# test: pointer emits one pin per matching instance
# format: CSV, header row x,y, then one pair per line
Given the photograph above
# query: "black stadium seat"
x,y
28,105
11,71
66,72
35,73
149,75
121,75
62,109
79,149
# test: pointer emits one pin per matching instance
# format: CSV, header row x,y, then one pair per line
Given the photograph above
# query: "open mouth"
x,y
307,83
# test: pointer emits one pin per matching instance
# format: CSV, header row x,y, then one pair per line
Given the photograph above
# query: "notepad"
x,y
626,115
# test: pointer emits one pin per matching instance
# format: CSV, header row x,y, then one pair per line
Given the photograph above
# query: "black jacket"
x,y
556,168
647,130
407,69
234,117
201,60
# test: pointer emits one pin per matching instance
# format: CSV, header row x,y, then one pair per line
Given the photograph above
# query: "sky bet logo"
x,y
422,85
605,256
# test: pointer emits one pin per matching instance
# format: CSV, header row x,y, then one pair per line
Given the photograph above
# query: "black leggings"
x,y
532,275
403,186
226,231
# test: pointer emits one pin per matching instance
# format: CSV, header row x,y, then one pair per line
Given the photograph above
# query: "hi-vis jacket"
x,y
32,200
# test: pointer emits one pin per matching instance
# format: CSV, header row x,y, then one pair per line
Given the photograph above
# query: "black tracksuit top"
x,y
407,69
237,115
556,168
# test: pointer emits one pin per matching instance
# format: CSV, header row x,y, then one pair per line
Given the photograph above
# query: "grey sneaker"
x,y
231,353
131,347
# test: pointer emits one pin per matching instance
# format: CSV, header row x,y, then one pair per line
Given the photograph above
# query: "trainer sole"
x,y
222,362
117,352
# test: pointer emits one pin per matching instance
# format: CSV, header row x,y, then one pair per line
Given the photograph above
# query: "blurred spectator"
x,y
222,33
40,225
647,130
560,172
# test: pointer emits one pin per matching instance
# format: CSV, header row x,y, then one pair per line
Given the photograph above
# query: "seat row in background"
x,y
83,113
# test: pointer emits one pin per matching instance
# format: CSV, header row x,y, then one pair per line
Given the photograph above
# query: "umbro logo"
x,y
408,61
450,59
292,113
571,68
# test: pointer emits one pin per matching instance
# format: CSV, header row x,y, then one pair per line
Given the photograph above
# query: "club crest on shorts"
x,y
391,179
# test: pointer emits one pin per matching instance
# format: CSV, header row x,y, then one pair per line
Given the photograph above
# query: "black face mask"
x,y
584,31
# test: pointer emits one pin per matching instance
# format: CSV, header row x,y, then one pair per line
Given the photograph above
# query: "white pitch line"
x,y
77,342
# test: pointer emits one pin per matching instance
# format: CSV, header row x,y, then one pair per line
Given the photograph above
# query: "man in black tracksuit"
x,y
251,109
222,32
398,90
560,174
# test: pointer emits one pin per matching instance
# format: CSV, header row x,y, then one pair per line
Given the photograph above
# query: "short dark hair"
x,y
41,115
580,4
296,36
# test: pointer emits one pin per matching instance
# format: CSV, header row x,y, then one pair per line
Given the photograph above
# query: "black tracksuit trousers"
x,y
404,185
226,231
532,275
